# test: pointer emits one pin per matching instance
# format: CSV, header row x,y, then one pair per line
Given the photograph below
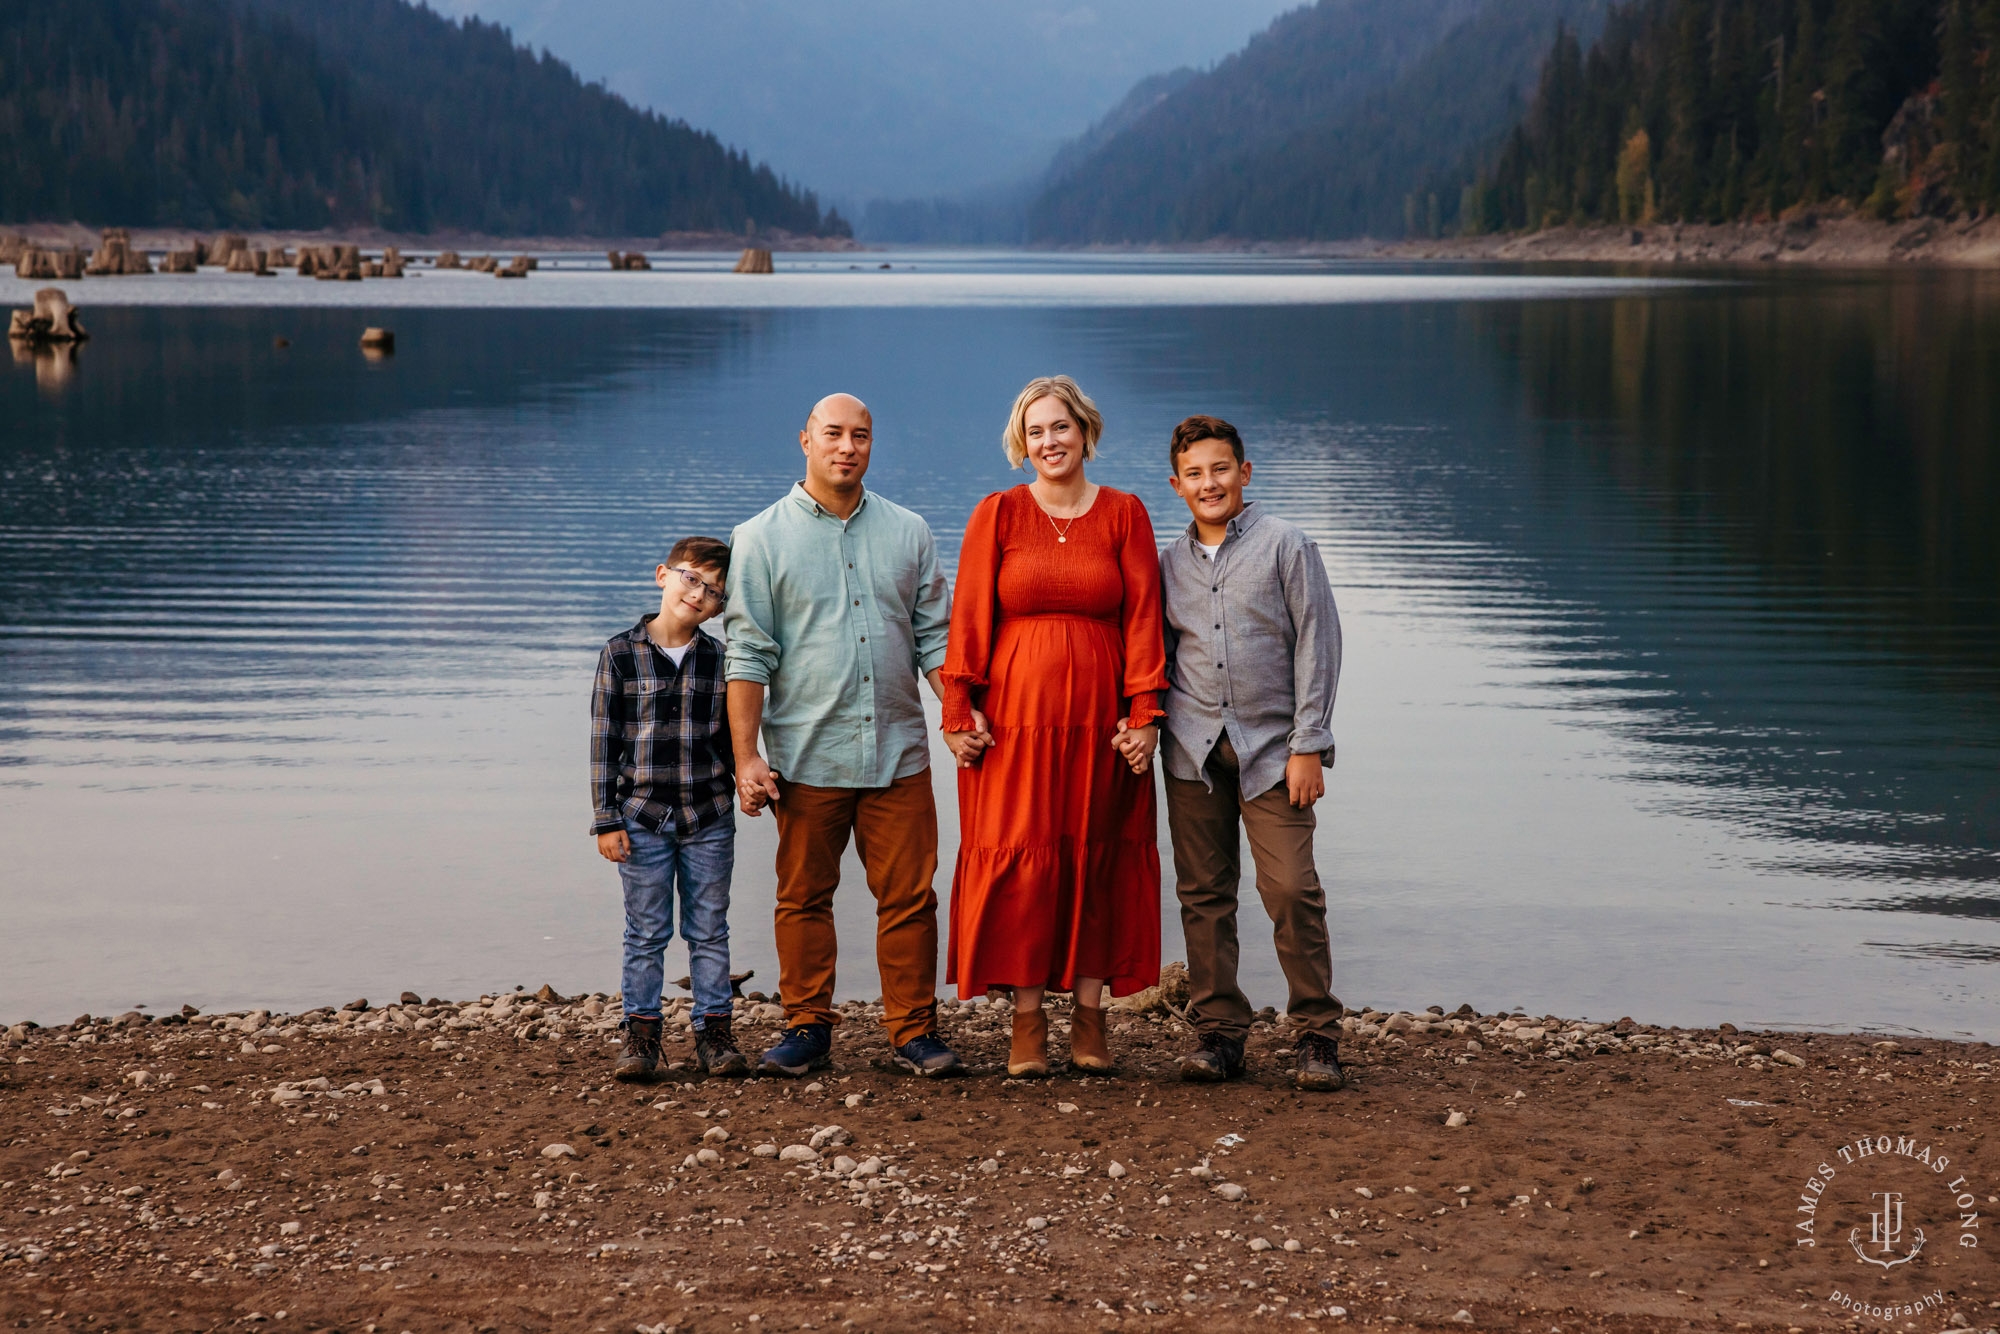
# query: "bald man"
x,y
836,607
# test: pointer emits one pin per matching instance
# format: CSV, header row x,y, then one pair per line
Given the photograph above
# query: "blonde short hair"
x,y
1015,438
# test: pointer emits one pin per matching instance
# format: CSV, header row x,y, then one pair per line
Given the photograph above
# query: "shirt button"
x,y
857,602
869,718
864,680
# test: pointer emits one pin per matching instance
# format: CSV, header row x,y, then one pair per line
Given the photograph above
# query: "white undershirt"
x,y
679,655
1210,550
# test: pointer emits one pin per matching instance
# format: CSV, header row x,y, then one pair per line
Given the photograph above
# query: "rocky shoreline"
x,y
470,1165
167,240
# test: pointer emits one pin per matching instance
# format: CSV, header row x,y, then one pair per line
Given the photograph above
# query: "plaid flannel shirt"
x,y
660,752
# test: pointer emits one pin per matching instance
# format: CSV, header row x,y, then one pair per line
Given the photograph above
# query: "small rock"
x,y
1455,1120
1230,1191
358,1006
868,1167
797,1153
856,1099
878,1256
715,1135
845,1165
765,1151
1259,1244
708,1157
409,998
545,1199
1038,1224
1364,1192
1066,1108
1294,1245
1463,1318
290,1229
553,1151
990,1166
831,1136
815,1087
1783,1057
1115,1171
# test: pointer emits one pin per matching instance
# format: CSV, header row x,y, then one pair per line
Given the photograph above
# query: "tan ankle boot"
x,y
1087,1047
1029,1054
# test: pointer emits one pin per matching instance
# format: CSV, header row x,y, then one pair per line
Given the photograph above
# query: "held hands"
x,y
756,784
1136,744
1305,780
614,846
967,747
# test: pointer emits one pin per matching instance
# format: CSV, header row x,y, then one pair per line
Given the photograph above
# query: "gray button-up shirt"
x,y
1253,649
838,620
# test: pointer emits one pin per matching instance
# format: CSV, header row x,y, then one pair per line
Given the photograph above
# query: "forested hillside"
x,y
1329,124
1718,110
316,113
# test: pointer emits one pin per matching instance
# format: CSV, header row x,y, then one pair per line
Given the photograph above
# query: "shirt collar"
x,y
1236,527
803,499
639,634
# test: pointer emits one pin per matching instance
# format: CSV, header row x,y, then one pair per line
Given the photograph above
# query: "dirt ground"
x,y
402,1168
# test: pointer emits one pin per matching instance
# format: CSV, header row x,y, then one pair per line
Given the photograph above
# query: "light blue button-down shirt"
x,y
838,620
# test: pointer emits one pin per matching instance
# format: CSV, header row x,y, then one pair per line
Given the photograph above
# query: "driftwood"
x,y
53,320
755,261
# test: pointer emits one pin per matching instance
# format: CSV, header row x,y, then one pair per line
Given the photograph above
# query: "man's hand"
x,y
756,784
1136,744
614,846
1305,780
967,747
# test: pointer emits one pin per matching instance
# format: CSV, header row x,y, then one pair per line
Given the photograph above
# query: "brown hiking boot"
x,y
1087,1047
640,1056
1318,1066
1029,1054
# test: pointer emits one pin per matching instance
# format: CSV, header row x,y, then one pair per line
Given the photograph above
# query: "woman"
x,y
1050,699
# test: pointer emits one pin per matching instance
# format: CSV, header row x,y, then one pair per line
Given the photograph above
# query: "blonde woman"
x,y
1051,682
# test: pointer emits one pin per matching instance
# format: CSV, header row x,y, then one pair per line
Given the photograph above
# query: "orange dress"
x,y
1058,871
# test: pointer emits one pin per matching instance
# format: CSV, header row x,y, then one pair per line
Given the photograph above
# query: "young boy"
x,y
662,780
1253,657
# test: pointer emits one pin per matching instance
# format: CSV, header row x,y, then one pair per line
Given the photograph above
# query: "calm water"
x,y
1673,610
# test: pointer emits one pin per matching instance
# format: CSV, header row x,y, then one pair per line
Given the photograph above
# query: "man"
x,y
836,606
1253,659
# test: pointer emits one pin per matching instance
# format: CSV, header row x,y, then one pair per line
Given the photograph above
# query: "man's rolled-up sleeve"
x,y
930,618
1315,653
749,624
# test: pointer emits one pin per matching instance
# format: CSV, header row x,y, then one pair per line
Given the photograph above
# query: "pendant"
x,y
1061,538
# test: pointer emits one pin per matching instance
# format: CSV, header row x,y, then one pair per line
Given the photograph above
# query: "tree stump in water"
x,y
755,261
378,340
53,320
178,261
447,259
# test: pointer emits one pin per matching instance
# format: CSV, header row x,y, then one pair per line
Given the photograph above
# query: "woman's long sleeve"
x,y
1141,617
969,654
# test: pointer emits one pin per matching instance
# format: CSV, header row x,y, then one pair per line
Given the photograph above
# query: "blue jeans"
x,y
701,863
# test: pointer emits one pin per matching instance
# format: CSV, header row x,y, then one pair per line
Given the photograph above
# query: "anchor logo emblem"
x,y
1885,1232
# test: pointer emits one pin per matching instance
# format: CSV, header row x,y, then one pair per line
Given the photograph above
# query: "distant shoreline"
x,y
62,235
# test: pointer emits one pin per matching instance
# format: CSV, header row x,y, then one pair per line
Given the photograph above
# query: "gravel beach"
x,y
471,1166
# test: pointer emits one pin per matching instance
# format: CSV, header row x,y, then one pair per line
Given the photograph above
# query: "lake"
x,y
1672,605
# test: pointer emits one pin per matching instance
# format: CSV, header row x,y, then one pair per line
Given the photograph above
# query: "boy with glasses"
x,y
663,785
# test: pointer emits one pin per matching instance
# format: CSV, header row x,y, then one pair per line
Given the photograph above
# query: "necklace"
x,y
1062,533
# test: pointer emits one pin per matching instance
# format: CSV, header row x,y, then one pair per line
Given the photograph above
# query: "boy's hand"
x,y
1305,780
967,747
756,784
1136,744
614,846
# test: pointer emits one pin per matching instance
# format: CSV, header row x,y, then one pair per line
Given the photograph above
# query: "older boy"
x,y
1253,657
662,783
839,607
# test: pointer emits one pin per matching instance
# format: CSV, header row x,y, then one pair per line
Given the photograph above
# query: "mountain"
x,y
1323,126
1719,110
314,113
883,99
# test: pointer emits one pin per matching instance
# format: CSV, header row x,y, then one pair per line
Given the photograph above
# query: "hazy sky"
x,y
861,99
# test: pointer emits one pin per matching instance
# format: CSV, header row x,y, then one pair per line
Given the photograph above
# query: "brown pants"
x,y
1208,867
895,831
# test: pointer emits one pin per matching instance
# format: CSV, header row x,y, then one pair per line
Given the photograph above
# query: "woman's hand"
x,y
967,747
1136,744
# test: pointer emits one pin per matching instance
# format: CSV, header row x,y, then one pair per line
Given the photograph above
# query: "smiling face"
x,y
690,594
836,442
1054,439
1209,478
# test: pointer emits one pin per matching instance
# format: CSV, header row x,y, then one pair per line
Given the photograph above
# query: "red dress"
x,y
1058,861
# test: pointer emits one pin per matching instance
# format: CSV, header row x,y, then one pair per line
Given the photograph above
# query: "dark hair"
x,y
705,553
1197,429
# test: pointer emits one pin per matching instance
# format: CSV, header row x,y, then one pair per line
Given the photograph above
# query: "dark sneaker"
x,y
926,1055
1216,1059
1318,1064
640,1056
715,1049
806,1047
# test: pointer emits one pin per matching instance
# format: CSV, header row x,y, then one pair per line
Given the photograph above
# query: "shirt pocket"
x,y
653,705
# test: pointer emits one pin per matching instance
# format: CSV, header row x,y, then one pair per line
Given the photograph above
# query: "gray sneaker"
x,y
1318,1065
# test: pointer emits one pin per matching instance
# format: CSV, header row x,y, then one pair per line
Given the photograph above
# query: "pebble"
x,y
1294,1245
1066,1108
544,1199
708,1157
815,1087
1260,1244
1115,1171
1783,1057
715,1135
765,1151
797,1153
990,1166
856,1099
1463,1318
1038,1224
554,1151
844,1165
1455,1120
290,1229
1230,1191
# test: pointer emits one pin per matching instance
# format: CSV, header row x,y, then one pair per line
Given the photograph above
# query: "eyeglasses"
x,y
709,592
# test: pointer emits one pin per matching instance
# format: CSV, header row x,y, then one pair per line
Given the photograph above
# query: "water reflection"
x,y
1674,616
